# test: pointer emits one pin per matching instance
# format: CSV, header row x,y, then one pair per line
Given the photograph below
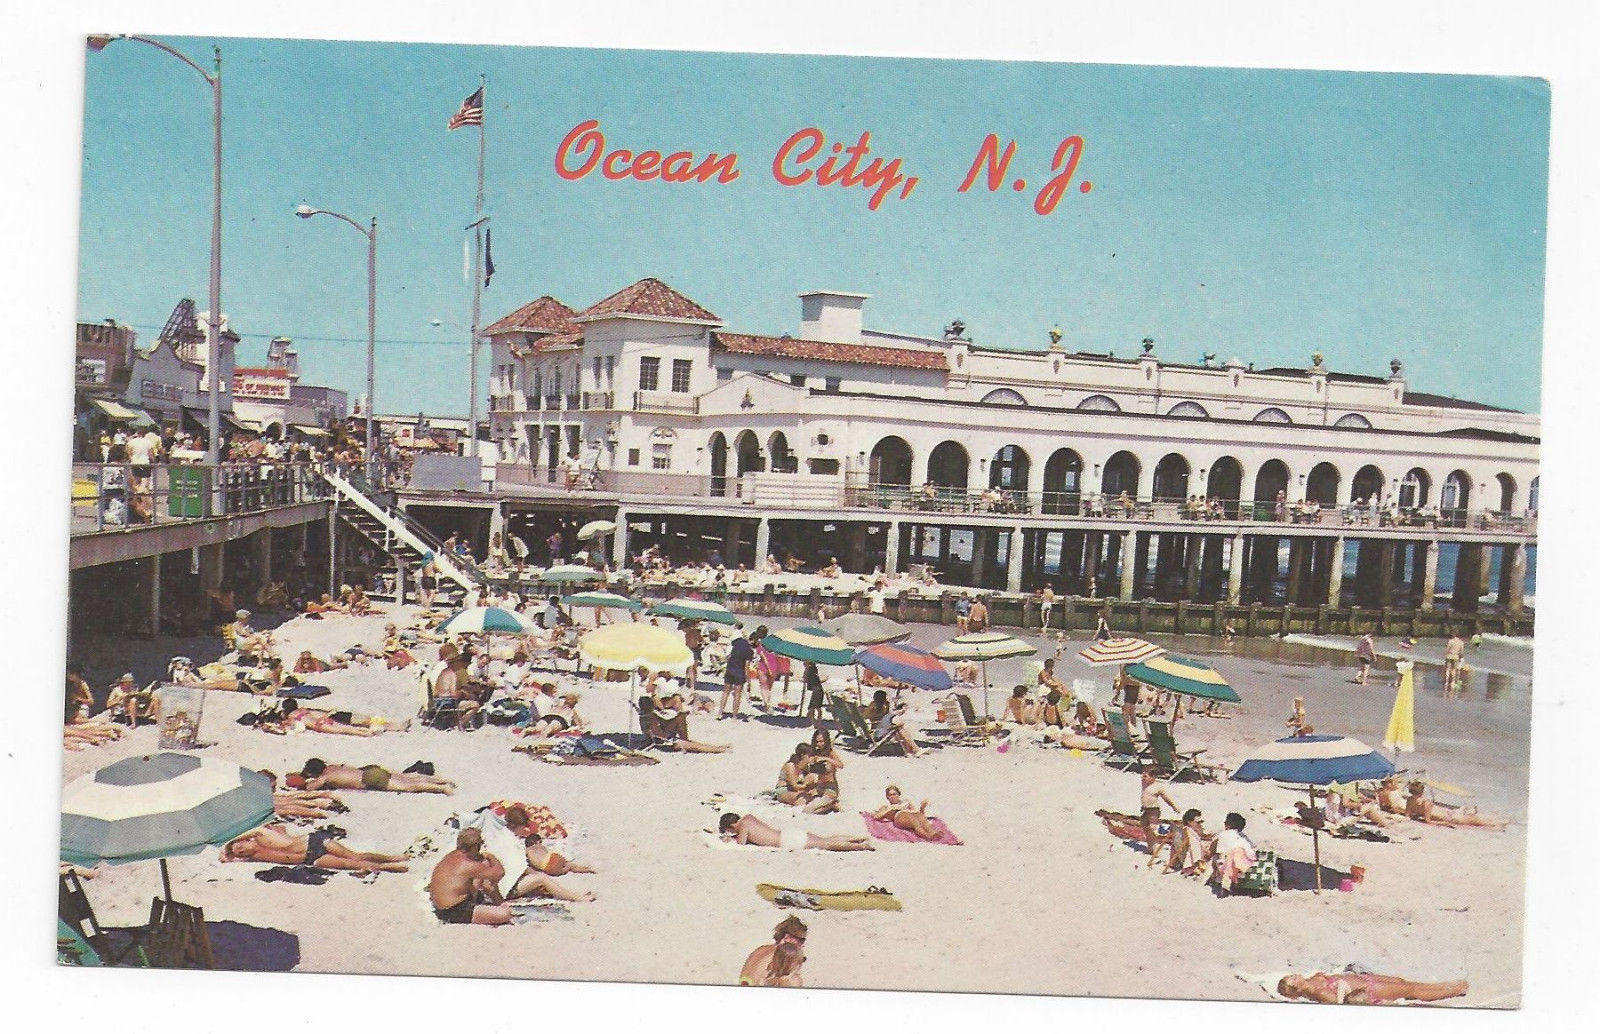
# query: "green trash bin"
x,y
186,491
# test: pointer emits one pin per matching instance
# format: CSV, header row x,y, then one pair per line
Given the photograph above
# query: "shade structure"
x,y
905,664
486,619
158,806
1124,650
983,646
695,610
867,629
1402,732
810,643
628,646
594,529
598,598
1314,761
1184,675
569,574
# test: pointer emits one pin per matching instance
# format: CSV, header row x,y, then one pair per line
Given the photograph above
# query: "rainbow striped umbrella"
x,y
810,643
695,610
983,647
1124,650
1184,675
905,664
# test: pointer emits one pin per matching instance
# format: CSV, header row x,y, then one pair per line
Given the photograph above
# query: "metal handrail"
x,y
125,496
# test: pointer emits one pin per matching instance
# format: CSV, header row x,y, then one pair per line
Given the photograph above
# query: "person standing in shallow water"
x,y
1366,657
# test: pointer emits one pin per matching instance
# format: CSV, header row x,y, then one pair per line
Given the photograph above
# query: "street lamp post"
x,y
214,319
371,233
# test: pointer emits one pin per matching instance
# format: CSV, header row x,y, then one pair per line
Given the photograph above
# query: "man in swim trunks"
x,y
748,829
777,964
465,886
1454,647
1366,989
318,774
1150,797
275,844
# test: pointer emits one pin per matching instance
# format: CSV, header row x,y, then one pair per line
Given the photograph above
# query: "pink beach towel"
x,y
882,829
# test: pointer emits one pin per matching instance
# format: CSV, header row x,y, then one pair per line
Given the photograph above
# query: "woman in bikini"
x,y
1366,989
1424,809
538,880
825,765
274,844
904,816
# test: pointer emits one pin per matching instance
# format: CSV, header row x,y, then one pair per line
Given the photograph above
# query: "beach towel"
x,y
883,829
872,899
711,839
306,875
541,818
304,692
538,910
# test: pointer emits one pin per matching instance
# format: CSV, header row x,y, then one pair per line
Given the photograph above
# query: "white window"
x,y
680,374
661,456
649,373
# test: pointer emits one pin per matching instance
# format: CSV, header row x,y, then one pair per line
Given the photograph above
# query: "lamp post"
x,y
213,321
370,232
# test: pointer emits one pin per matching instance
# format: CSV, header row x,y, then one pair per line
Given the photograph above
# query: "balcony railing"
x,y
665,402
121,496
597,399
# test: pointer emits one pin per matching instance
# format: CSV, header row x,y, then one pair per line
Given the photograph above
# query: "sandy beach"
x,y
1038,898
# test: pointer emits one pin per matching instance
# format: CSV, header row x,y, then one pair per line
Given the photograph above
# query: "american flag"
x,y
471,113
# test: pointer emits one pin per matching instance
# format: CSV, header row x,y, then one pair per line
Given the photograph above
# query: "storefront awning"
x,y
310,432
116,410
200,419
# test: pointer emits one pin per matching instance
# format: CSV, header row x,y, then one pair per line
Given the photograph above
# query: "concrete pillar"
x,y
1141,561
980,554
1483,570
1516,562
1014,561
263,544
1191,573
1235,568
1430,574
155,595
1469,563
891,547
210,567
763,541
856,537
1211,566
1129,564
1336,572
497,521
1385,573
399,579
731,541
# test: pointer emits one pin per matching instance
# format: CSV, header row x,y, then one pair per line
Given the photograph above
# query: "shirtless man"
x,y
777,964
275,844
538,880
748,829
465,886
1150,798
904,816
1366,989
318,774
1422,808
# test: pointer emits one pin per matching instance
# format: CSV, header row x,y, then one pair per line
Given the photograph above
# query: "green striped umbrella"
x,y
598,598
810,643
695,610
569,573
1184,675
983,647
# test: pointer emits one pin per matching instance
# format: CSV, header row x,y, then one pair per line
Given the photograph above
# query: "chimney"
x,y
831,316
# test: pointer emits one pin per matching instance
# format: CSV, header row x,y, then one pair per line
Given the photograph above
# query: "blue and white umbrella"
x,y
160,805
695,610
486,619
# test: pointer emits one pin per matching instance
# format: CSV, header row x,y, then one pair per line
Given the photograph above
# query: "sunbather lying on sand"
x,y
1366,989
903,815
1343,809
302,804
338,723
309,663
777,964
319,774
276,845
748,829
1424,809
538,880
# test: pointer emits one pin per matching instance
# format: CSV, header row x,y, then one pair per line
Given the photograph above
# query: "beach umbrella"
x,y
1313,761
158,806
569,573
867,629
594,529
810,643
1125,650
695,610
486,619
598,598
905,663
1184,675
629,647
1402,731
983,647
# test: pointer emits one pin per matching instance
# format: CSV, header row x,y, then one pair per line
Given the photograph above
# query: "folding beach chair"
x,y
960,725
1167,756
114,946
1122,745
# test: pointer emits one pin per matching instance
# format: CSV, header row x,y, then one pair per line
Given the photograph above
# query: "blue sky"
x,y
1262,214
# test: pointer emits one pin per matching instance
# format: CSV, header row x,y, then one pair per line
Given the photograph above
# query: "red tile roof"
x,y
651,297
542,316
831,352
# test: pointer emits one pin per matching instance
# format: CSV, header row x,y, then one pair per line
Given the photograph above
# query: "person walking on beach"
x,y
1366,657
1454,647
1102,625
735,675
1047,603
777,964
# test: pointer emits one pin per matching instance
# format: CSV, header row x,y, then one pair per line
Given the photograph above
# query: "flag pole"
x,y
477,278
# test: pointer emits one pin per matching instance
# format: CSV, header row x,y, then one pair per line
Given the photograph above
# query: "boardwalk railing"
x,y
120,496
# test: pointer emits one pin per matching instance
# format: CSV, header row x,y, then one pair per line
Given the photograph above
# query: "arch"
x,y
1121,475
1193,410
1414,488
718,448
1272,415
1063,481
747,450
1456,492
1225,481
1172,477
273,431
890,463
782,458
1004,397
1272,484
1367,483
1352,420
948,465
1009,469
1100,404
1508,491
1322,485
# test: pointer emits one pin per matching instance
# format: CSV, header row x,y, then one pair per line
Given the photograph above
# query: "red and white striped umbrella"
x,y
1125,650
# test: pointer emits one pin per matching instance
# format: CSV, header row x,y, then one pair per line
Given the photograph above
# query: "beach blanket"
x,y
539,910
1128,827
873,899
304,692
542,819
883,829
306,875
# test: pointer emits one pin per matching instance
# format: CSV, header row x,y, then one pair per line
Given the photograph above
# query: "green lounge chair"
x,y
1122,745
1167,756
